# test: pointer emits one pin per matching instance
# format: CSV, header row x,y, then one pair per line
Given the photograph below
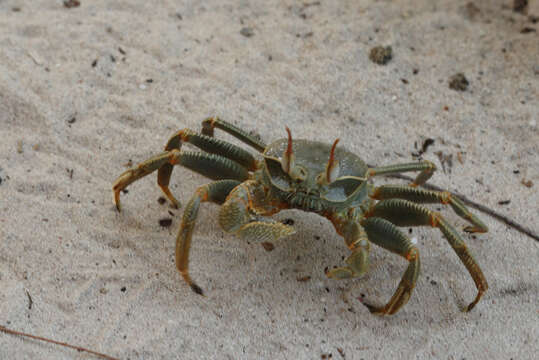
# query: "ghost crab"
x,y
311,176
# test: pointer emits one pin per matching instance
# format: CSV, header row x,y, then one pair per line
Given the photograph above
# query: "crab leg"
x,y
423,196
212,166
214,122
406,213
206,143
212,146
237,215
215,192
426,167
358,262
384,234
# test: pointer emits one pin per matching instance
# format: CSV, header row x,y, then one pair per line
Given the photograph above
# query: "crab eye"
x,y
278,177
343,187
324,179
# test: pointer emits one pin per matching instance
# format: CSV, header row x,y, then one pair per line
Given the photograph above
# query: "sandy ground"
x,y
86,90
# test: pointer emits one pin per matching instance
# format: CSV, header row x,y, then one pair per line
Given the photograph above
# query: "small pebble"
x,y
247,31
458,82
268,246
381,55
71,3
165,222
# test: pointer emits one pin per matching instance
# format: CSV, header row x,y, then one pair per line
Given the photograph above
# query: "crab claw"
x,y
332,167
288,161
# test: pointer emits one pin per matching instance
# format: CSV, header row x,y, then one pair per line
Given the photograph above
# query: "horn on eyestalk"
x,y
288,161
332,167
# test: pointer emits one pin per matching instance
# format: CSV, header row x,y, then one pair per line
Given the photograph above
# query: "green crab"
x,y
310,176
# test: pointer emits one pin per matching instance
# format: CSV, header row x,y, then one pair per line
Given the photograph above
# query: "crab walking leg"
x,y
212,146
406,213
215,192
236,215
386,235
426,167
214,122
212,166
358,262
423,196
242,210
206,143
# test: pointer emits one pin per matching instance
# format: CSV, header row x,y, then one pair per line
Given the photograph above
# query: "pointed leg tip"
x,y
116,201
475,229
472,305
173,201
375,310
197,289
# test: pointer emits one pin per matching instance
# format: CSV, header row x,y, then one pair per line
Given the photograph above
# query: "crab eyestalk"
x,y
288,161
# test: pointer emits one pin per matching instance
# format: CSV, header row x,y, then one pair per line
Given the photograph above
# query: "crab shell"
x,y
305,191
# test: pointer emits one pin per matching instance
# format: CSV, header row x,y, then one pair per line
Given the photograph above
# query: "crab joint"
x,y
288,160
445,197
434,219
174,156
208,125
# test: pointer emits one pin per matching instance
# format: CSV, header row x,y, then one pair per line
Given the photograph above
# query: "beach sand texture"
x,y
87,90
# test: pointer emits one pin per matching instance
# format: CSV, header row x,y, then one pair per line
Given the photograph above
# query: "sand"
x,y
84,91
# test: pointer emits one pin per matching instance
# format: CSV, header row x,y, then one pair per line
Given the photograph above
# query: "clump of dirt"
x,y
471,11
268,246
381,55
520,6
247,32
71,3
458,82
165,222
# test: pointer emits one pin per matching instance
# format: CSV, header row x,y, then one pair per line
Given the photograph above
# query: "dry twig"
x,y
78,348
